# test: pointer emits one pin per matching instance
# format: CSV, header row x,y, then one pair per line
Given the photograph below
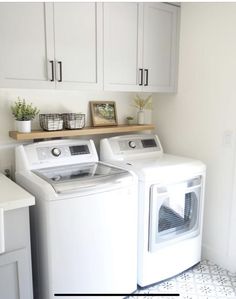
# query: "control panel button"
x,y
56,152
132,144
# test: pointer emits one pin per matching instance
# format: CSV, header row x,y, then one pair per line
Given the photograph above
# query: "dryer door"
x,y
174,212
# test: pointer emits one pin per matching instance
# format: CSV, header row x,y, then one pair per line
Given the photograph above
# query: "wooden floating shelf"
x,y
82,132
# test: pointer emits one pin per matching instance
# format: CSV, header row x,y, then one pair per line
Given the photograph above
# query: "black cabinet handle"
x,y
60,65
141,77
146,77
52,68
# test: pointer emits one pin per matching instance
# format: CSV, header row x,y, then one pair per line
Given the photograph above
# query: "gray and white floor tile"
x,y
204,281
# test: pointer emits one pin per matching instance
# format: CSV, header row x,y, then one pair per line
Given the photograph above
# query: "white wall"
x,y
52,101
200,120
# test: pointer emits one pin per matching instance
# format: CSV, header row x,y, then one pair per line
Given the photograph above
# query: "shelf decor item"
x,y
103,113
73,121
141,117
23,114
142,104
51,121
130,120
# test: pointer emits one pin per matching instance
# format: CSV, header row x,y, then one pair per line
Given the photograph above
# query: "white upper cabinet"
x,y
46,45
140,46
121,39
78,44
25,47
61,45
160,47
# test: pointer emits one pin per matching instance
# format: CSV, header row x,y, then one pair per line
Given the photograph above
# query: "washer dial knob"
x,y
132,144
56,152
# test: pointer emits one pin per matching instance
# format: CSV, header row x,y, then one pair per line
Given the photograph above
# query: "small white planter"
x,y
130,122
23,126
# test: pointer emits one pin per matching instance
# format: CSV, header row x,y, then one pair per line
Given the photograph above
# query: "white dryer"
x,y
84,223
171,197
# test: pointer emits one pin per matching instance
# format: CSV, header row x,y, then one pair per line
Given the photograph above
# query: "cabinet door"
x,y
122,48
26,45
15,275
78,44
160,47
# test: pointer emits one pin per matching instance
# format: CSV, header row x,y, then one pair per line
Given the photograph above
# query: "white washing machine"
x,y
84,223
171,196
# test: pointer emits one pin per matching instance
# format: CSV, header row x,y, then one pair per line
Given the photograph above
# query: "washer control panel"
x,y
56,153
62,151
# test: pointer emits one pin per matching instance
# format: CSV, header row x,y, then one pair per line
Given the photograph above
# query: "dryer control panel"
x,y
139,144
120,147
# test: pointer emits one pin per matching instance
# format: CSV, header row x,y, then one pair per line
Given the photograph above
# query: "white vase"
x,y
141,117
23,126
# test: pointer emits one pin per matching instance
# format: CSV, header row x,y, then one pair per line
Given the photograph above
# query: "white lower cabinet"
x,y
140,46
15,262
14,275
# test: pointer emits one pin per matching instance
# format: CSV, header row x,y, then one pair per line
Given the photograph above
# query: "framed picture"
x,y
103,113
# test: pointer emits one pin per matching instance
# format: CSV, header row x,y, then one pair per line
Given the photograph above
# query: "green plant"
x,y
141,103
129,118
23,111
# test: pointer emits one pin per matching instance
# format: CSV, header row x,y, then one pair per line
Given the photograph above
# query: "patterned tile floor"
x,y
204,281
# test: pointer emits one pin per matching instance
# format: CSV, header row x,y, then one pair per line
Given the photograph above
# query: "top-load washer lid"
x,y
71,178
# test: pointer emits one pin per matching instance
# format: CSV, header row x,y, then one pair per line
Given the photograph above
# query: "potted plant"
x,y
130,120
142,104
23,114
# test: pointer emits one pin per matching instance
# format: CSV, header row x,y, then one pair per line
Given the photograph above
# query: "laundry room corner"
x,y
199,120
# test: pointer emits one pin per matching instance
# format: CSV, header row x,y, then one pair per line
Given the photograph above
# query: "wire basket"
x,y
73,121
51,122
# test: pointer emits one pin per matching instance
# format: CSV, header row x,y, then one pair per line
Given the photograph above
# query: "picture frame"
x,y
103,113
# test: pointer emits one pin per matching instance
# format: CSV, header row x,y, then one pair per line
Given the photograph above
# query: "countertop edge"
x,y
18,204
13,196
